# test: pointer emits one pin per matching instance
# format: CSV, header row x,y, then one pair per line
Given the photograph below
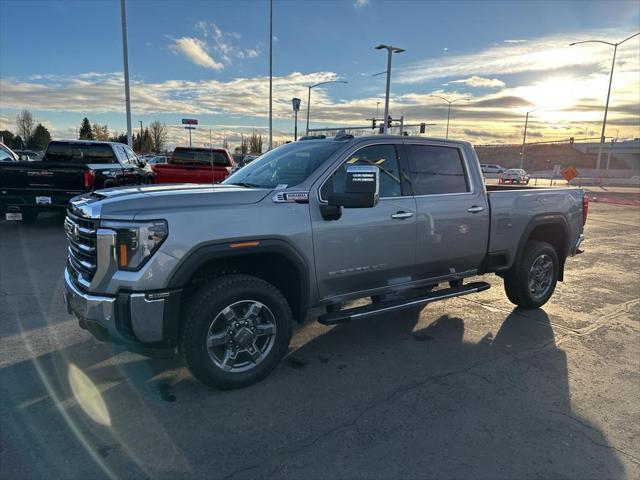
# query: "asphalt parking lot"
x,y
467,388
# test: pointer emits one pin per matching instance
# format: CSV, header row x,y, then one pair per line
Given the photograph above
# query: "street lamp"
x,y
309,96
125,58
390,51
449,110
606,108
296,108
524,137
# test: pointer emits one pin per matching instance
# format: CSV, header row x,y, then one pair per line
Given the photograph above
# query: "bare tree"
x,y
158,132
100,132
255,144
26,124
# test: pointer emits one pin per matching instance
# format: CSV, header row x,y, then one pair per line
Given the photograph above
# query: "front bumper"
x,y
133,319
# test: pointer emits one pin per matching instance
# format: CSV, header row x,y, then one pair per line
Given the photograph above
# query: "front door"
x,y
366,248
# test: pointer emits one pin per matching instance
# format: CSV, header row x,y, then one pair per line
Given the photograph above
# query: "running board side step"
x,y
344,316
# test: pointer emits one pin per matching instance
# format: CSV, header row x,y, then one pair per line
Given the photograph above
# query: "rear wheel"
x,y
534,279
236,330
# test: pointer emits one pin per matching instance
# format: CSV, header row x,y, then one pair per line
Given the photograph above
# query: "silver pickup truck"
x,y
220,272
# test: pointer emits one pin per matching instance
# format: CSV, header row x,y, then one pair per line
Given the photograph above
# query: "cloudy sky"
x,y
209,60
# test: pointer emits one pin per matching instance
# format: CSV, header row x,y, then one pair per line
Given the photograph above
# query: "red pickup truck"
x,y
195,165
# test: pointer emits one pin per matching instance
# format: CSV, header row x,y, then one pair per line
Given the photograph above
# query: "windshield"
x,y
285,166
79,153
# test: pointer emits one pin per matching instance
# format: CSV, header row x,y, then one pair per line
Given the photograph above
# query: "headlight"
x,y
136,242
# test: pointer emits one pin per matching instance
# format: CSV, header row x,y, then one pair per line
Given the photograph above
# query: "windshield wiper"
x,y
246,184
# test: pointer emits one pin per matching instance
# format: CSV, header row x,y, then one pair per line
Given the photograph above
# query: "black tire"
x,y
203,311
517,282
29,216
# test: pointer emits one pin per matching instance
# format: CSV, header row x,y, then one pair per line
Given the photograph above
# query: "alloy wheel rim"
x,y
241,336
541,276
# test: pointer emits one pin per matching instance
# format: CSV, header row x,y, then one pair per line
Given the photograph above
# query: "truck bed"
x,y
515,210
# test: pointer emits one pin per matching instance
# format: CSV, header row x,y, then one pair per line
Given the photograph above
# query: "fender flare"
x,y
222,250
545,219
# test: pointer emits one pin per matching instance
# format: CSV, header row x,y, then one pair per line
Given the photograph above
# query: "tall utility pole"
x,y
270,74
524,136
125,56
140,134
449,110
606,108
309,97
390,51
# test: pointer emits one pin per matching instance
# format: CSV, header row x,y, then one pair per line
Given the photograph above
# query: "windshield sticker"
x,y
282,186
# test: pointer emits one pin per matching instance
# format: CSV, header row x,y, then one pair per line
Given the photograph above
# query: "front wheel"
x,y
236,330
533,280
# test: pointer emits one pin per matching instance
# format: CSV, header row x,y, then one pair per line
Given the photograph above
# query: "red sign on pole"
x,y
189,121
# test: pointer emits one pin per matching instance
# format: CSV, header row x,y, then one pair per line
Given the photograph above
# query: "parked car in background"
x,y
156,159
7,155
195,165
491,168
514,176
68,168
222,272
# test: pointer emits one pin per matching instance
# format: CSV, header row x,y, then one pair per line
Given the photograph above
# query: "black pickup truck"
x,y
68,168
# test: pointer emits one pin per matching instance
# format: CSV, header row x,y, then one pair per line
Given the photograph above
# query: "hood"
x,y
127,202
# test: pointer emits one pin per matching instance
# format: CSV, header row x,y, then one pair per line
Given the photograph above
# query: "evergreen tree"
x,y
118,137
6,137
40,138
86,133
16,143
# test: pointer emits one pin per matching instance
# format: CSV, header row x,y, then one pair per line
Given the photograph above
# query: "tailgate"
x,y
43,176
170,173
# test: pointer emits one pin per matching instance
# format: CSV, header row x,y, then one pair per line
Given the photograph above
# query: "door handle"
x,y
475,209
402,215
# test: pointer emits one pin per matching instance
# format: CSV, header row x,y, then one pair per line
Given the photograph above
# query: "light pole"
x,y
270,74
390,51
377,108
309,97
449,110
125,56
606,107
140,135
524,136
296,108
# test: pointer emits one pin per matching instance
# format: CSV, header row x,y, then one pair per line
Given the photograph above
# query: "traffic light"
x,y
571,140
423,127
389,120
373,123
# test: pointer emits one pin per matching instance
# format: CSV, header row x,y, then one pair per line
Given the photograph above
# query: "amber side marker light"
x,y
254,243
123,255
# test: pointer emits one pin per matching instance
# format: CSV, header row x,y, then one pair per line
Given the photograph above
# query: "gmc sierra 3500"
x,y
221,272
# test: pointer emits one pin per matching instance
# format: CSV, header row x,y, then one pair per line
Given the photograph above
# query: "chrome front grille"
x,y
82,237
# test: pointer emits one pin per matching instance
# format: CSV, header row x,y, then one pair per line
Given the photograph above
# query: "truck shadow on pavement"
x,y
370,399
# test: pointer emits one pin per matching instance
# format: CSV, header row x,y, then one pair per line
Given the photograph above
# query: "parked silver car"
x,y
515,176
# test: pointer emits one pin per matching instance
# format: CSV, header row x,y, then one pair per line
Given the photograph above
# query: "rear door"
x,y
366,248
453,215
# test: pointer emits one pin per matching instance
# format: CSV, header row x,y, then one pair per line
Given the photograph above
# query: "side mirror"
x,y
361,189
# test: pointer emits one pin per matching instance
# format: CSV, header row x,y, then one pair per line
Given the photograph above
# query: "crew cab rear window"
x,y
436,170
79,153
187,156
